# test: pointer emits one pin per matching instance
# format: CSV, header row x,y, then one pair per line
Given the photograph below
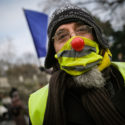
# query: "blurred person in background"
x,y
17,109
5,117
86,87
3,109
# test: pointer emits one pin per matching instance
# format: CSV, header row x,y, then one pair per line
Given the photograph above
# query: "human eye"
x,y
62,36
81,29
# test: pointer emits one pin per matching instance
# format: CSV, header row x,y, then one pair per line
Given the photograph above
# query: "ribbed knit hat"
x,y
66,14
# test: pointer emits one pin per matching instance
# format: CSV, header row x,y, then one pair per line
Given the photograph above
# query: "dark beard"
x,y
90,79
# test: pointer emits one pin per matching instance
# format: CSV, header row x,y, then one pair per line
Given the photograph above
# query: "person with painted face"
x,y
86,87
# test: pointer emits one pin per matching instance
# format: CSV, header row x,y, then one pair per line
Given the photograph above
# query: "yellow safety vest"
x,y
37,105
38,100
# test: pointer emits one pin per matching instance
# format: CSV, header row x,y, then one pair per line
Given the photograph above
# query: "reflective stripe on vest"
x,y
38,100
37,105
72,53
81,68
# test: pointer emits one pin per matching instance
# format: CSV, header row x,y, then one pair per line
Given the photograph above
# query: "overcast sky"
x,y
13,25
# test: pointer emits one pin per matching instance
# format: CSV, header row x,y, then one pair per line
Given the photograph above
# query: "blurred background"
x,y
19,66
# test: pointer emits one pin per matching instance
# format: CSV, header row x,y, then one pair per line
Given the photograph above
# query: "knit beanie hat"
x,y
66,14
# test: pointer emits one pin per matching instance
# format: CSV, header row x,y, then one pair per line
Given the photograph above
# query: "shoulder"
x,y
37,100
40,91
39,97
120,67
118,100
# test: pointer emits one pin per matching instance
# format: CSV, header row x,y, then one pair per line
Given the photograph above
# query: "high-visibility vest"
x,y
38,100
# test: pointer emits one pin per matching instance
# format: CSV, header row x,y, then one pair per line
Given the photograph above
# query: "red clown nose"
x,y
77,44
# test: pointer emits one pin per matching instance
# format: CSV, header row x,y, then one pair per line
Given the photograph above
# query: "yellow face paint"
x,y
77,62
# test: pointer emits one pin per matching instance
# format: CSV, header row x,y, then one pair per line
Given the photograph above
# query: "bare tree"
x,y
112,10
27,58
108,10
51,5
8,52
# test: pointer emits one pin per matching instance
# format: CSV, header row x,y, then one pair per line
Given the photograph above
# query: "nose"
x,y
77,44
72,34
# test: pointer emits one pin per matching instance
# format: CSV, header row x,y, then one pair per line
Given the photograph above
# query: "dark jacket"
x,y
77,115
75,112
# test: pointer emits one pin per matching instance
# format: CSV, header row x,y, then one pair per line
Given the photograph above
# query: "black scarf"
x,y
96,102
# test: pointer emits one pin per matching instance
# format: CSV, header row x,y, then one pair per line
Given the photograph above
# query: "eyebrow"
x,y
79,24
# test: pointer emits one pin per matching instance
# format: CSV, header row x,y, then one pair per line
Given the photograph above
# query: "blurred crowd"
x,y
12,109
